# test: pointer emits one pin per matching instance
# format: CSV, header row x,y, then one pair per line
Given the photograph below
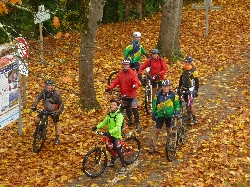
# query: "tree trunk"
x,y
86,74
168,42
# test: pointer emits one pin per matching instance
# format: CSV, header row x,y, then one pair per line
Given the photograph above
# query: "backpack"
x,y
187,78
116,114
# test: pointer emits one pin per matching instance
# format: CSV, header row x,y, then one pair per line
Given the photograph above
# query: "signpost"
x,y
40,17
207,6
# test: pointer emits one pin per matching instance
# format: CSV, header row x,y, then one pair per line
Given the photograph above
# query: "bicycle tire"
x,y
172,146
94,162
148,95
184,133
131,150
112,76
39,138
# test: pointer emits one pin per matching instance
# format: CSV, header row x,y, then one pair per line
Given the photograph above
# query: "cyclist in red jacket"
x,y
157,70
128,83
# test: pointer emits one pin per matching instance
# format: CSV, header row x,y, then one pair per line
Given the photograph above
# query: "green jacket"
x,y
164,105
134,51
114,123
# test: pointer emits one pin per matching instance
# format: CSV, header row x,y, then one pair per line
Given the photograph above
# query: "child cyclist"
x,y
114,120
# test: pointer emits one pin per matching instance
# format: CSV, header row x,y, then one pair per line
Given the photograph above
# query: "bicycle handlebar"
x,y
45,112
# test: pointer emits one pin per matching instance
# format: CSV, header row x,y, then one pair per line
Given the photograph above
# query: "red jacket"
x,y
158,66
126,80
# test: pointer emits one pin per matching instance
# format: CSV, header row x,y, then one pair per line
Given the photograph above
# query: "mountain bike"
x,y
179,132
112,76
40,132
148,92
95,161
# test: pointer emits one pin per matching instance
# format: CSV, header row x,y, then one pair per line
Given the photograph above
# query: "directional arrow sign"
x,y
41,16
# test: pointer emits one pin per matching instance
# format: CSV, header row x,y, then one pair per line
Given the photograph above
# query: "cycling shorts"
x,y
132,102
54,118
135,65
160,121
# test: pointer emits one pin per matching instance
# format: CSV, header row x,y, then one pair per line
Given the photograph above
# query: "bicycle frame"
x,y
109,145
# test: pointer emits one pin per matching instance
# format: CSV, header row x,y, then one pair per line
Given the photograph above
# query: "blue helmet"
x,y
155,51
166,82
189,59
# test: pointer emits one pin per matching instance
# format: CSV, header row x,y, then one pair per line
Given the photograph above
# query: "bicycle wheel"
x,y
172,146
131,150
39,138
148,95
112,76
94,162
184,133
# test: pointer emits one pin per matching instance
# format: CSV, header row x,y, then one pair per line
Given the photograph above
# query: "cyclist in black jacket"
x,y
189,83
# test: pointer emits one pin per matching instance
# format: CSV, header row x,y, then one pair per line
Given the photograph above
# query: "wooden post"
x,y
41,38
207,6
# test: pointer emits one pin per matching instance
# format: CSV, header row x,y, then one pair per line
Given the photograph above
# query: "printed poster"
x,y
9,105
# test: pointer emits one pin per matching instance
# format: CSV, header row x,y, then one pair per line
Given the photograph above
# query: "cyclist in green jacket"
x,y
165,105
134,51
114,120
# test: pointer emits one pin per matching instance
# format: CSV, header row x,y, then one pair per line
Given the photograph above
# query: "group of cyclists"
x,y
129,79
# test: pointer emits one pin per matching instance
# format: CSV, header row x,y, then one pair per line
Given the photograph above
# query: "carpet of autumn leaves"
x,y
217,153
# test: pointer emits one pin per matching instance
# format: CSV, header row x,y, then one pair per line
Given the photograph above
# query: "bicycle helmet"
x,y
49,82
166,83
126,61
189,59
115,100
137,34
154,51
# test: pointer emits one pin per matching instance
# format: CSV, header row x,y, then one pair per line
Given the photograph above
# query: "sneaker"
x,y
194,121
152,149
56,140
122,170
111,164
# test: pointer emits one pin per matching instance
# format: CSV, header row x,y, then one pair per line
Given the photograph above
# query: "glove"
x,y
154,116
140,76
196,92
178,91
133,86
33,108
54,114
94,128
106,134
157,76
107,90
177,113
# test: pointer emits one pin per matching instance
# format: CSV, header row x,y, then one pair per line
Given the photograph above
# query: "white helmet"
x,y
137,34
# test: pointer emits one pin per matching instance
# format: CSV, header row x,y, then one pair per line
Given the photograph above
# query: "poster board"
x,y
9,90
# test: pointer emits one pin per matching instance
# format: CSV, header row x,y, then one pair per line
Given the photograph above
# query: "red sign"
x,y
23,48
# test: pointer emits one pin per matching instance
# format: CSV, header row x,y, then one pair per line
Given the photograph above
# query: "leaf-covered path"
x,y
226,94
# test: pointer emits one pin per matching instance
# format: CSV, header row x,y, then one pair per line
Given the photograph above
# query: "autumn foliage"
x,y
217,152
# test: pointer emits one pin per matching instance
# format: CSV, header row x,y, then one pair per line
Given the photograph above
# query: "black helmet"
x,y
115,100
166,83
155,51
49,82
189,59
